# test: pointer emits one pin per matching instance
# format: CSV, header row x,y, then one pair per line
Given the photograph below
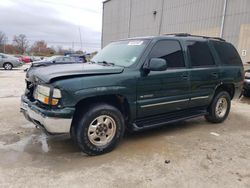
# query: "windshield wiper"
x,y
105,63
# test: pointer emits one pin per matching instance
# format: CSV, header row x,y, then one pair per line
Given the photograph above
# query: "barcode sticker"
x,y
135,43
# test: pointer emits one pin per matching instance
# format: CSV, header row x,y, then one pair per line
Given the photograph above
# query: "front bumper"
x,y
52,121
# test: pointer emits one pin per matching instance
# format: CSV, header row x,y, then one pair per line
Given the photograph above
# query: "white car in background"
x,y
8,62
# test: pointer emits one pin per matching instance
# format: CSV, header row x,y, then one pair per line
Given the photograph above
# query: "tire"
x,y
99,129
73,134
7,66
246,93
219,108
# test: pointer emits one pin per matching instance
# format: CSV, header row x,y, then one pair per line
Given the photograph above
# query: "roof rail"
x,y
179,34
190,35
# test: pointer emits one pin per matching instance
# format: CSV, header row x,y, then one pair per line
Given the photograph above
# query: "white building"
x,y
229,19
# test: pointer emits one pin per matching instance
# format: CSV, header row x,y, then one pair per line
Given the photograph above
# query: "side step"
x,y
159,120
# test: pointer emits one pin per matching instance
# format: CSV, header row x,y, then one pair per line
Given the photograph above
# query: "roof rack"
x,y
190,35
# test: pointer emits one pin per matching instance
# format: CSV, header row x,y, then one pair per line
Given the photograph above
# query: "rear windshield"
x,y
227,53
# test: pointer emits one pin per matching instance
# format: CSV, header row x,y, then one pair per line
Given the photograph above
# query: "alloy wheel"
x,y
102,130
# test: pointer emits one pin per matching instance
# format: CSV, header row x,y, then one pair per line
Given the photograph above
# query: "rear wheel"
x,y
220,107
99,129
7,66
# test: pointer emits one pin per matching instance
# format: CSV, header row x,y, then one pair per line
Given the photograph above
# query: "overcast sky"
x,y
59,22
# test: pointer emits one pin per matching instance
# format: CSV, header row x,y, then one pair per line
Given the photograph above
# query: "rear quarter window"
x,y
227,53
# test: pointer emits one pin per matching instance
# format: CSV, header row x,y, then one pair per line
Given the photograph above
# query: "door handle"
x,y
184,76
215,75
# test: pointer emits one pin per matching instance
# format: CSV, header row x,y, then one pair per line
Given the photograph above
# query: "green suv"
x,y
134,84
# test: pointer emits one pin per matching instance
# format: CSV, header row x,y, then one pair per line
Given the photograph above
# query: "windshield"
x,y
122,53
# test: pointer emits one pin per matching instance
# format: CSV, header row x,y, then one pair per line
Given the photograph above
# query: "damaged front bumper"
x,y
51,121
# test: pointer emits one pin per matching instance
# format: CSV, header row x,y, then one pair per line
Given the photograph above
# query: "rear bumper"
x,y
51,121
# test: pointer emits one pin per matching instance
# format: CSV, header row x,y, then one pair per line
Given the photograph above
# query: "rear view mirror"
x,y
157,64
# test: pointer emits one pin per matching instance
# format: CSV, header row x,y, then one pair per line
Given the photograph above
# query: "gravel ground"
x,y
187,154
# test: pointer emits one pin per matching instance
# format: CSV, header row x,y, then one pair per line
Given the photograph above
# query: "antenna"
x,y
80,37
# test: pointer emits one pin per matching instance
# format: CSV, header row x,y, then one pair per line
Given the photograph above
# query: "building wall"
x,y
131,18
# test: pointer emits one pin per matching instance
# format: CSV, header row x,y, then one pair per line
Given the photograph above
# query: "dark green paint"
x,y
142,89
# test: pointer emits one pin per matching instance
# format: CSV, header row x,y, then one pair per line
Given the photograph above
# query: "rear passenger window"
x,y
200,54
227,53
169,50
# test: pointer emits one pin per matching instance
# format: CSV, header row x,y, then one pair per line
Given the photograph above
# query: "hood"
x,y
57,71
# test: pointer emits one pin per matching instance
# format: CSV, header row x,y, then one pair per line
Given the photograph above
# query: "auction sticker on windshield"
x,y
135,43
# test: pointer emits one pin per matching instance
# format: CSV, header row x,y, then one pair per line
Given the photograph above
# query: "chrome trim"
x,y
51,124
202,97
146,96
163,103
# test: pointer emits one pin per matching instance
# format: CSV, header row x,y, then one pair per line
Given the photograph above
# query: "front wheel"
x,y
99,129
219,108
7,66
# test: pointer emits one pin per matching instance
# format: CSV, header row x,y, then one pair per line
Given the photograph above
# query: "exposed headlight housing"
x,y
42,94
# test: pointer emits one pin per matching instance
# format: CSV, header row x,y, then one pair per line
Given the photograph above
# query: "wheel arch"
x,y
117,100
7,63
228,87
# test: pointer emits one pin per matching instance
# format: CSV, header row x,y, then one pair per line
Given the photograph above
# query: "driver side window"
x,y
171,51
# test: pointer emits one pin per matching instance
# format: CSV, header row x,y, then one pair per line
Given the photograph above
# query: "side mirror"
x,y
157,64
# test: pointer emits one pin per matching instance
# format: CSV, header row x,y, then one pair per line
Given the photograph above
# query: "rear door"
x,y
164,91
204,73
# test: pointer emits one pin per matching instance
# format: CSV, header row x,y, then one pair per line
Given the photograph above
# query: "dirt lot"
x,y
188,154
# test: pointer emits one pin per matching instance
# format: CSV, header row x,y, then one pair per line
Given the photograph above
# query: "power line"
x,y
70,5
61,42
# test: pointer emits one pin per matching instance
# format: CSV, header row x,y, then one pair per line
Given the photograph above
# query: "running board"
x,y
160,120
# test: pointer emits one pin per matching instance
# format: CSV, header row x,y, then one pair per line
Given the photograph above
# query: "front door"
x,y
161,92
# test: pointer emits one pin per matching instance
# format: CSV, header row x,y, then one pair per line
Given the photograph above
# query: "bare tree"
x,y
21,43
60,50
3,40
41,48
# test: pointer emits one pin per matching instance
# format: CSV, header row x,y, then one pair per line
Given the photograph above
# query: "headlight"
x,y
42,93
247,74
57,93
